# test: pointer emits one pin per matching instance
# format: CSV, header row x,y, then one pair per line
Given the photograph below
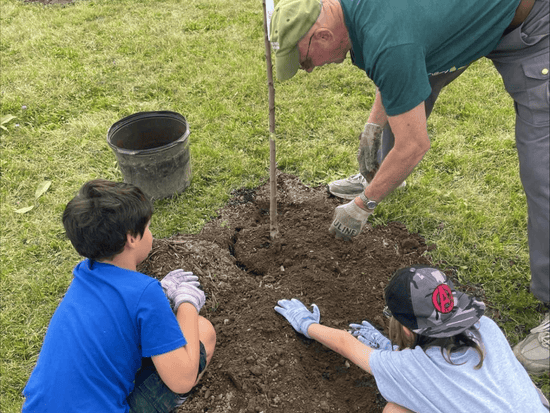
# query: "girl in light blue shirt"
x,y
443,355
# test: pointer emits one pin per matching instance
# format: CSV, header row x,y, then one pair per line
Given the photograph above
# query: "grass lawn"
x,y
69,72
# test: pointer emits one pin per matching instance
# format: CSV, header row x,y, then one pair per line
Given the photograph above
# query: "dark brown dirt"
x,y
261,364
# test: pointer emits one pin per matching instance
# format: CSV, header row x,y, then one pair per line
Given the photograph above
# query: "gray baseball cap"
x,y
424,300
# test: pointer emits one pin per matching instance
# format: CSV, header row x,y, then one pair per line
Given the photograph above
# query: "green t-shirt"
x,y
400,43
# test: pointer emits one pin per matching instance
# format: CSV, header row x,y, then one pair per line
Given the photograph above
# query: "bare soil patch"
x,y
261,364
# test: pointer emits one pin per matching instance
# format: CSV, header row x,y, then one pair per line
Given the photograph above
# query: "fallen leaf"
x,y
24,210
6,118
42,188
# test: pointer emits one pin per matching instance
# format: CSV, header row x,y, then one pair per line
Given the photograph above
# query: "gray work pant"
x,y
522,60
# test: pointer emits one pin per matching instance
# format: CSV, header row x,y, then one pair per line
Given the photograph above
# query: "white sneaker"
x,y
351,187
533,352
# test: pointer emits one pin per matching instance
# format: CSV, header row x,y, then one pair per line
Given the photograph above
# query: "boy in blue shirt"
x,y
116,343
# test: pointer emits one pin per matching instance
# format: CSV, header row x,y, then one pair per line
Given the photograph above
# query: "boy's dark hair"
x,y
98,219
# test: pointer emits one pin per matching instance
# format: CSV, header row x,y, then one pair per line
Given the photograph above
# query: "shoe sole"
x,y
355,195
341,195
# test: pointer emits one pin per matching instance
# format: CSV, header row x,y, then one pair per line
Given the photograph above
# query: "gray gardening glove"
x,y
370,336
183,287
298,315
369,144
348,221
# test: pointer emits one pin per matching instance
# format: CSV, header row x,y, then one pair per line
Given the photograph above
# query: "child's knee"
x,y
207,335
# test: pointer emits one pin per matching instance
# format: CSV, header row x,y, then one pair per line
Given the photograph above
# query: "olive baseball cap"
x,y
291,20
424,300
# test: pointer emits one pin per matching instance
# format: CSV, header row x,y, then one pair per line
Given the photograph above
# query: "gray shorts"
x,y
151,395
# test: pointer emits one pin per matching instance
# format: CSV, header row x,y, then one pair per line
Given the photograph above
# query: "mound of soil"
x,y
260,363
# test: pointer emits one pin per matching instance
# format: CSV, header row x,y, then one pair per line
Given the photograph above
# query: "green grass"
x,y
69,72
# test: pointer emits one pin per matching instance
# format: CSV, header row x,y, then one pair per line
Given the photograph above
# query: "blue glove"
x,y
370,336
298,315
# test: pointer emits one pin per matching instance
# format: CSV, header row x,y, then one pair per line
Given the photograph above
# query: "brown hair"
x,y
449,345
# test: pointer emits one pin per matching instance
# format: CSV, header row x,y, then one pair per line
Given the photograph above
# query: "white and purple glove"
x,y
348,221
298,315
367,334
183,287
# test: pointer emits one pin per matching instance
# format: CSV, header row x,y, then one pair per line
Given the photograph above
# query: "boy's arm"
x,y
178,368
343,343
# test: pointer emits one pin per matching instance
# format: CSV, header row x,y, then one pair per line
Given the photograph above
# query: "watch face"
x,y
369,204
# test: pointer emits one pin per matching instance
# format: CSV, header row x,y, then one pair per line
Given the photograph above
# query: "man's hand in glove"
x,y
298,315
370,336
369,144
183,287
348,221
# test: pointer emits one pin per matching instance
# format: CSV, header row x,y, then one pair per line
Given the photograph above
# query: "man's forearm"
x,y
411,144
394,170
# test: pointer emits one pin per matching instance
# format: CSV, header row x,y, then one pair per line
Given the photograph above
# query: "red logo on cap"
x,y
442,299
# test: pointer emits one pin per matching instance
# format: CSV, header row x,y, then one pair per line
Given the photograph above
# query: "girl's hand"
x,y
298,315
367,334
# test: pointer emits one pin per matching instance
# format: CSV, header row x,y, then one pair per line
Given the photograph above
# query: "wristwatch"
x,y
368,203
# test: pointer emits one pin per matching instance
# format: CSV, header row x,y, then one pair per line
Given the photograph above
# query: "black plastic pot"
x,y
152,150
